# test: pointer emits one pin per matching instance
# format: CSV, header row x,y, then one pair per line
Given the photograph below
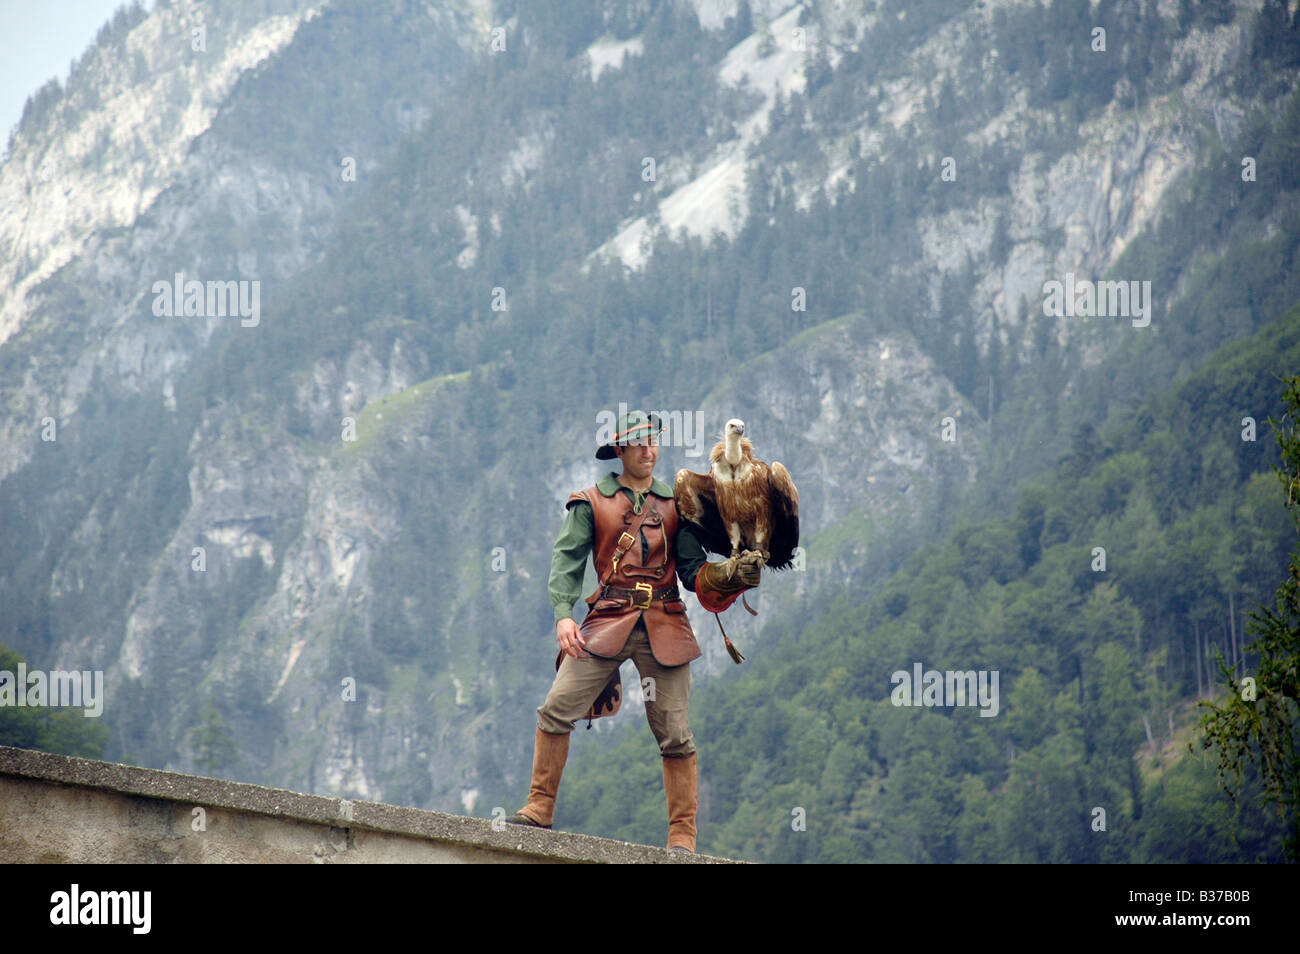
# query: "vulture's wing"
x,y
783,498
697,506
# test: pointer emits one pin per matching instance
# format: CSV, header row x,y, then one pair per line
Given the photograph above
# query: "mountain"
x,y
1090,619
455,235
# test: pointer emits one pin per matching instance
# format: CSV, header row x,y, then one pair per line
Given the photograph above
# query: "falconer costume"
x,y
640,549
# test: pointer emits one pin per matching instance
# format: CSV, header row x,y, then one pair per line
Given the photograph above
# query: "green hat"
x,y
633,424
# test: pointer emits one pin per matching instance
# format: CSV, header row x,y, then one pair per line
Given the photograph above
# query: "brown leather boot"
x,y
681,784
550,751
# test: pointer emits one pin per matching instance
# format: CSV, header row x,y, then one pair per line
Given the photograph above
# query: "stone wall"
x,y
56,809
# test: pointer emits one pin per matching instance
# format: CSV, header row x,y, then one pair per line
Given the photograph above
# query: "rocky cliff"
x,y
300,559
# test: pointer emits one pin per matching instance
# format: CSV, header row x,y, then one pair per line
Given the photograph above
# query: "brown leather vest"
x,y
609,621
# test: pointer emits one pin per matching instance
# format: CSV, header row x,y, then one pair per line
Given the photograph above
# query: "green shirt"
x,y
569,558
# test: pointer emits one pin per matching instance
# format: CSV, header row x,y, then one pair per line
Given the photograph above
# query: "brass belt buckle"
x,y
649,595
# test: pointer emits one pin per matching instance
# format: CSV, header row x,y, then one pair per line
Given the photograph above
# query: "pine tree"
x,y
214,744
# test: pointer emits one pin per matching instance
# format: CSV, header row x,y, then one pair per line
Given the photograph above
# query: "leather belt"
x,y
641,594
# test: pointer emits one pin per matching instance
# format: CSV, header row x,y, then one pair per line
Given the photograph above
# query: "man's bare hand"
x,y
569,637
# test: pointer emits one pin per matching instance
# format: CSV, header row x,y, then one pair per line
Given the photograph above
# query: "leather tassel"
x,y
735,653
732,651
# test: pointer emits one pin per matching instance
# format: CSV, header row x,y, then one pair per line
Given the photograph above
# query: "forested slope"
x,y
1099,664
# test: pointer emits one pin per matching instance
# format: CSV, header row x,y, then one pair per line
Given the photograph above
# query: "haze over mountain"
x,y
301,513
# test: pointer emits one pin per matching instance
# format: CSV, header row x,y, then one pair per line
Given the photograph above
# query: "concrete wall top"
x,y
125,813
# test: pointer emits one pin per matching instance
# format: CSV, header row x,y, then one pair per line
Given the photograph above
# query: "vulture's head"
x,y
733,447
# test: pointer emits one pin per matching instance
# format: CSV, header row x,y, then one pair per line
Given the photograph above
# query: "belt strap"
x,y
638,594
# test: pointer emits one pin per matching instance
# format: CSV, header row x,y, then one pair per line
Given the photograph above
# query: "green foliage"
x,y
41,106
37,110
1189,822
131,491
48,728
1274,48
215,748
1090,664
1260,721
547,164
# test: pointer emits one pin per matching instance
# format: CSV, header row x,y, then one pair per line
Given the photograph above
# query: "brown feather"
x,y
757,506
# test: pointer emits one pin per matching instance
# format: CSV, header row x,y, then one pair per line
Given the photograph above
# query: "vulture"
x,y
741,503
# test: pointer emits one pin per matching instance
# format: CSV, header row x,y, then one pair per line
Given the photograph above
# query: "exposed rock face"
x,y
387,638
139,175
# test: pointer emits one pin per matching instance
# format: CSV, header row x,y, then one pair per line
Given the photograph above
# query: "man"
x,y
628,522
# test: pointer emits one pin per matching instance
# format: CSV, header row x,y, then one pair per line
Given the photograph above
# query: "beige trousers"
x,y
668,692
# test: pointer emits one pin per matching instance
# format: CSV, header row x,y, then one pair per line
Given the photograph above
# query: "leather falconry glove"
x,y
718,584
749,567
